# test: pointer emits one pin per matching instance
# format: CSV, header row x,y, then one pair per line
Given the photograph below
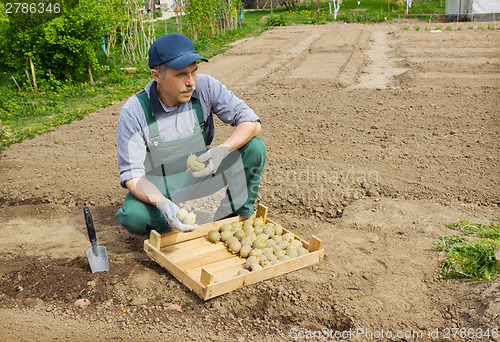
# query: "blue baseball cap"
x,y
173,50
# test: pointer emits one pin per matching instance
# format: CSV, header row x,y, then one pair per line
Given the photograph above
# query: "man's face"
x,y
177,86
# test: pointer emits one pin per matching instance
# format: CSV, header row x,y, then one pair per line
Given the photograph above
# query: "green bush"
x,y
61,45
276,20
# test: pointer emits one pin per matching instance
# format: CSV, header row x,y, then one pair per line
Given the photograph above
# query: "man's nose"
x,y
190,80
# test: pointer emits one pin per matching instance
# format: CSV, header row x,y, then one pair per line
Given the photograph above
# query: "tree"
x,y
62,43
408,5
336,7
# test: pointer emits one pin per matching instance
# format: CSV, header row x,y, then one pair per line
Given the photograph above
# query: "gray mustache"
x,y
187,89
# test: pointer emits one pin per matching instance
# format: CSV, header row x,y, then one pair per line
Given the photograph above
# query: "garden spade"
x,y
98,258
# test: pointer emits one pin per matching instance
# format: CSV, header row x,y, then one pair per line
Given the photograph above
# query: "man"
x,y
172,118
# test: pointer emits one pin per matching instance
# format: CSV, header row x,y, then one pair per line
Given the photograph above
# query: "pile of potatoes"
x,y
262,244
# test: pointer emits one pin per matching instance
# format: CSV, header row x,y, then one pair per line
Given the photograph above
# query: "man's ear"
x,y
156,75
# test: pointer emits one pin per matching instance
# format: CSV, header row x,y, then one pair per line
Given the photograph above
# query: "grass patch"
x,y
471,255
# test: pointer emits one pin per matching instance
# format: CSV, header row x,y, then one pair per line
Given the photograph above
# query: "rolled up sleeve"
x,y
131,147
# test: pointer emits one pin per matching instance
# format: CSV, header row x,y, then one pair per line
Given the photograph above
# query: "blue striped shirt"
x,y
132,138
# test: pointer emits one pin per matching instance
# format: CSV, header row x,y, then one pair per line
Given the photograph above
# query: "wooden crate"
x,y
209,269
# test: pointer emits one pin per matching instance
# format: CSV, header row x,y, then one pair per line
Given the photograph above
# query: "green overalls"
x,y
165,166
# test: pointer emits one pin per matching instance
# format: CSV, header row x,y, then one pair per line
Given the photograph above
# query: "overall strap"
x,y
195,103
154,133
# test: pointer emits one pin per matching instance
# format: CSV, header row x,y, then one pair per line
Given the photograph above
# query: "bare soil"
x,y
377,137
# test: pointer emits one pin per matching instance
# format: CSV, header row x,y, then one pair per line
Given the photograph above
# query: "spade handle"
x,y
90,225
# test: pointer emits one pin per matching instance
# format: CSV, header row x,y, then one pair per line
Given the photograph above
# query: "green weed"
x,y
471,259
276,20
449,28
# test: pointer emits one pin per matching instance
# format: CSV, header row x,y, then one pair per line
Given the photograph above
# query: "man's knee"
x,y
133,221
254,151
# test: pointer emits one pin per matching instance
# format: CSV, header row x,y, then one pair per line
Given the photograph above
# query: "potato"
x,y
255,252
261,237
248,221
239,234
258,229
269,231
248,230
191,159
296,243
284,258
258,221
279,254
189,219
245,250
226,234
242,271
277,238
235,246
213,236
236,225
246,241
284,244
278,230
301,251
231,240
292,253
198,166
182,213
271,243
287,237
226,226
250,261
259,244
267,250
271,257
256,267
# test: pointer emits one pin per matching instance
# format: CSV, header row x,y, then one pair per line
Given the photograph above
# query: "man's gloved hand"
x,y
169,210
213,158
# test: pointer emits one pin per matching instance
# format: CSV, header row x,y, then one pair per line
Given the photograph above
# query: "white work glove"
x,y
169,210
213,158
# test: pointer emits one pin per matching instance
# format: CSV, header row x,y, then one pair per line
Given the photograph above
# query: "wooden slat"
x,y
186,245
315,244
162,260
202,260
155,239
181,256
216,289
261,211
217,266
206,277
226,274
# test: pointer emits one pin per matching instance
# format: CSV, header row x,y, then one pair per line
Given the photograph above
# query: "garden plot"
x,y
374,173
